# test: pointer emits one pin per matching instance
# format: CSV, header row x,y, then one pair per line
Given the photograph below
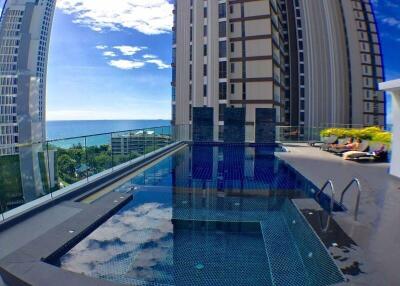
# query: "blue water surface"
x,y
209,215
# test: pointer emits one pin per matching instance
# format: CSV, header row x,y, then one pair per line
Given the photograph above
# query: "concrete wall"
x,y
394,88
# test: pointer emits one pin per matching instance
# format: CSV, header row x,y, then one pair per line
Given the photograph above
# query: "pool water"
x,y
209,215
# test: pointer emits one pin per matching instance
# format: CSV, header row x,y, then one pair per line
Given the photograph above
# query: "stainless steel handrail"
x,y
333,193
332,203
357,182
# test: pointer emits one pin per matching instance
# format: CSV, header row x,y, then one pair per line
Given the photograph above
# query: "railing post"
x,y
48,170
154,139
86,161
2,210
144,143
112,153
162,136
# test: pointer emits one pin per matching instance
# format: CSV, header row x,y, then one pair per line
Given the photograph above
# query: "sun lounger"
x,y
328,141
364,146
379,155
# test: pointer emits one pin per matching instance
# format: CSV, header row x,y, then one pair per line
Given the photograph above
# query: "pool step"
x,y
286,264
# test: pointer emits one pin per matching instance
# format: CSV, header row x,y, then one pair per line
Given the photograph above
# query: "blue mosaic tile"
x,y
209,216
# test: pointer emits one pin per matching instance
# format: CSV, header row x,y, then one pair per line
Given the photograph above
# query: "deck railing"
x,y
42,170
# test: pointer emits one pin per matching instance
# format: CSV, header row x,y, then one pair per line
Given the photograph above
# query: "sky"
x,y
113,61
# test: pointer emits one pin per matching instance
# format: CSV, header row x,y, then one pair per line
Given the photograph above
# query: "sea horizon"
x,y
59,129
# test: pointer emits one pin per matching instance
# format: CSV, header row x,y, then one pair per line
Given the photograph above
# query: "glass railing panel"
x,y
67,162
150,140
11,192
160,138
98,153
24,177
289,134
167,132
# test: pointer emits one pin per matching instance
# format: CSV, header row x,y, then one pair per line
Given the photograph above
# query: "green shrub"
x,y
374,134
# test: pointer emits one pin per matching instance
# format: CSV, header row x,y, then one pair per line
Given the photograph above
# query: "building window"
x,y
222,29
205,90
205,50
222,90
222,49
232,47
222,69
231,9
205,31
205,12
221,110
221,132
205,70
232,88
232,27
222,10
232,67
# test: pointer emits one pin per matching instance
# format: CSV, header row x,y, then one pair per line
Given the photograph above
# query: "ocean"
x,y
75,128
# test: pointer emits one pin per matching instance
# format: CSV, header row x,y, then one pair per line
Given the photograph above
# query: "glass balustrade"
x,y
43,171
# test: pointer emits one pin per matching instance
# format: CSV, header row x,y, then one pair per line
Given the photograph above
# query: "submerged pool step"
x,y
286,263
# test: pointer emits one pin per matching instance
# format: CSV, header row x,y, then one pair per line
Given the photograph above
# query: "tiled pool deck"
x,y
376,233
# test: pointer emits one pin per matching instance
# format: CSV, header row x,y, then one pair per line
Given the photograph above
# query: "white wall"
x,y
395,165
394,87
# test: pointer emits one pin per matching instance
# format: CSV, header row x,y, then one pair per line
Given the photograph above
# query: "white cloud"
x,y
148,56
101,47
109,54
392,22
129,50
159,63
150,17
126,64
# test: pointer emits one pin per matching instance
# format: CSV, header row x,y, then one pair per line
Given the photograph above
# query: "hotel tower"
x,y
254,63
25,27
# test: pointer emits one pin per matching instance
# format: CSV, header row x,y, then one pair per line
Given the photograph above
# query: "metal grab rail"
x,y
333,193
332,203
357,182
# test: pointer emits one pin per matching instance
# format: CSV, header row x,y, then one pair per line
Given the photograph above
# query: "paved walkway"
x,y
378,229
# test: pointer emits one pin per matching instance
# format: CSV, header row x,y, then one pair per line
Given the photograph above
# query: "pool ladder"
x,y
357,205
329,183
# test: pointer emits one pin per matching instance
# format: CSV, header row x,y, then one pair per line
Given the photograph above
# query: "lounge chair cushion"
x,y
356,154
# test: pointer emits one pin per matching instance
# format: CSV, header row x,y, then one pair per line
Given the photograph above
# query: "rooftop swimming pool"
x,y
209,215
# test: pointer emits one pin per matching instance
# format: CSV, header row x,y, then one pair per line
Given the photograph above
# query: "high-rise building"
x,y
312,63
25,27
334,63
227,54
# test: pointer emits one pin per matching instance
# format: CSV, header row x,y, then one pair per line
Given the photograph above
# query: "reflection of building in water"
x,y
210,177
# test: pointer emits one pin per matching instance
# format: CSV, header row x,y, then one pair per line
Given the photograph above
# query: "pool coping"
x,y
30,264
